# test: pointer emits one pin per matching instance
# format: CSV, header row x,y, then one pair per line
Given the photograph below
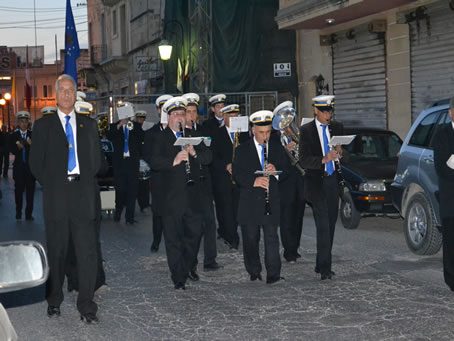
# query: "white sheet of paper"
x,y
341,140
182,141
306,120
147,125
450,162
126,111
240,124
268,173
207,141
164,118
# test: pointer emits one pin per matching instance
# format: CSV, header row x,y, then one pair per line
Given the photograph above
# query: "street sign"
x,y
282,70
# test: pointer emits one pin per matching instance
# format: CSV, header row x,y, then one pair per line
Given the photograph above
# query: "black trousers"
x,y
251,240
182,236
23,182
217,195
325,211
291,225
448,251
157,229
227,204
126,183
83,233
143,193
209,235
4,162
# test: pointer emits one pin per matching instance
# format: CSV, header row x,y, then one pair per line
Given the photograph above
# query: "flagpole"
x,y
56,57
36,51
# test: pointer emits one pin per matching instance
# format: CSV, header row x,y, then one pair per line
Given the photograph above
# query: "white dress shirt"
x,y
72,122
320,136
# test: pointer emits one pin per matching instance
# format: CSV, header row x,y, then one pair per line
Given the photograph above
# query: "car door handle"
x,y
428,159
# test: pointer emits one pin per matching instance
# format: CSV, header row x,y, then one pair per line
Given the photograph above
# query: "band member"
x,y
180,175
4,151
223,145
208,219
24,181
259,205
321,179
65,157
127,137
217,119
143,190
291,188
157,187
443,151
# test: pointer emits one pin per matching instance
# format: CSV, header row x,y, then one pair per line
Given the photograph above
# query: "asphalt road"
x,y
381,291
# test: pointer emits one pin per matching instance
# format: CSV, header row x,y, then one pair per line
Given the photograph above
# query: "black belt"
x,y
73,177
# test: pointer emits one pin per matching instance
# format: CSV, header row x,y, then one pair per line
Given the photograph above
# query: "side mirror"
x,y
23,264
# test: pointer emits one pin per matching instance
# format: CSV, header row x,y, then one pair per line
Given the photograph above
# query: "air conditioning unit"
x,y
377,26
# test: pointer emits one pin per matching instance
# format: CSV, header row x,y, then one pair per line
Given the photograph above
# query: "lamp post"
x,y
165,48
7,97
2,103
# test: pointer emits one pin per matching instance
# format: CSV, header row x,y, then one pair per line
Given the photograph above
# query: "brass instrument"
x,y
103,125
267,191
236,143
130,125
189,180
284,121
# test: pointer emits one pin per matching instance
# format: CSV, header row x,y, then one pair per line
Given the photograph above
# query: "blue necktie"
x,y
232,135
178,134
71,150
126,140
24,137
329,165
263,156
220,121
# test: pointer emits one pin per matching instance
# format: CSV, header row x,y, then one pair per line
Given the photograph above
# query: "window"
x,y
444,119
114,22
49,90
422,133
44,90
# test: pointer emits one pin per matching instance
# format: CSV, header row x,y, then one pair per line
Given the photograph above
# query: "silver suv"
x,y
415,187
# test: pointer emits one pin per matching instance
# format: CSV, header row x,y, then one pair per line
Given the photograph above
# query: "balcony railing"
x,y
97,54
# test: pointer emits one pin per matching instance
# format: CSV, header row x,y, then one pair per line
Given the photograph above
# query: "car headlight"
x,y
373,186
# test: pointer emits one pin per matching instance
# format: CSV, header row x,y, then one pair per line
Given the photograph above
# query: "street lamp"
x,y
165,50
7,97
2,103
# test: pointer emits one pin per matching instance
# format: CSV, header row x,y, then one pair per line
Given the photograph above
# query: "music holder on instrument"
x,y
341,140
239,124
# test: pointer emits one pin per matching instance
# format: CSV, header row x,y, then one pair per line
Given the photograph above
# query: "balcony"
x,y
97,54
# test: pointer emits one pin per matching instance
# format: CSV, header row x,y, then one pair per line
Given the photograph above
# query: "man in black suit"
x,y
224,140
208,219
443,151
157,187
143,185
180,174
4,151
66,167
259,205
291,188
127,138
20,142
216,120
321,179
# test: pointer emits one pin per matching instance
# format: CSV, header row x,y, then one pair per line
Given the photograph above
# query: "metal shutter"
x,y
432,57
359,79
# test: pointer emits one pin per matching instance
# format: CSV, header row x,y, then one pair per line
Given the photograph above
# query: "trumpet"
x,y
267,191
189,180
284,121
130,125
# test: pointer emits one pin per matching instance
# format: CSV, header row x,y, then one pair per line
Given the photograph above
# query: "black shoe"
x,y
29,218
117,216
325,276
274,280
234,247
298,255
256,277
131,222
317,270
180,286
291,260
89,318
193,276
212,267
18,216
154,247
53,311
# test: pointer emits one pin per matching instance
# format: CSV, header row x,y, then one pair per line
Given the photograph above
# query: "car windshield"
x,y
373,147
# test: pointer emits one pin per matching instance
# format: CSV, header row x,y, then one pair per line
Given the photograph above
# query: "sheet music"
x,y
341,140
126,111
239,124
450,162
182,141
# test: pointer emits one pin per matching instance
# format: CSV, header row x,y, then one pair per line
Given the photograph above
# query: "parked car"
x,y
415,188
368,167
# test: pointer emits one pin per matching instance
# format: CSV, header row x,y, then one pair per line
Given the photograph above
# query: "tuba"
x,y
284,121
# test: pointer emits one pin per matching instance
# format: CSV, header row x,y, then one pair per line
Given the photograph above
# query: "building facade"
x,y
384,60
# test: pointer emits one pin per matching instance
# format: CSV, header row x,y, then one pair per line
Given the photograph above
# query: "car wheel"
x,y
349,215
420,230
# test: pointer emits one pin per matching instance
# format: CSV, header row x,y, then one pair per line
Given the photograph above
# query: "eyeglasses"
x,y
178,114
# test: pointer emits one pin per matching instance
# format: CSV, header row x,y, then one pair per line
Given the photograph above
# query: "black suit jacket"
x,y
210,126
177,196
443,149
49,164
135,143
251,209
311,156
14,149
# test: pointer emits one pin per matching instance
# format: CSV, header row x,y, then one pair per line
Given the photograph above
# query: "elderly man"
x,y
65,157
180,176
444,151
20,142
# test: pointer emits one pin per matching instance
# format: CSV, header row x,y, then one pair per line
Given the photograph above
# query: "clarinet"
x,y
338,169
267,190
202,177
189,180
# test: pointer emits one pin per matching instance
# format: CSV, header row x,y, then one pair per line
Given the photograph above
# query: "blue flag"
x,y
72,50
